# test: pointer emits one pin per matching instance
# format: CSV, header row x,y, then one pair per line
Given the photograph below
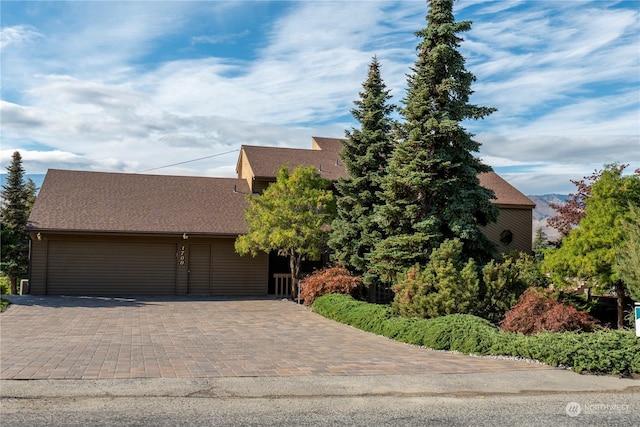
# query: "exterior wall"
x,y
37,265
244,169
519,222
259,185
54,255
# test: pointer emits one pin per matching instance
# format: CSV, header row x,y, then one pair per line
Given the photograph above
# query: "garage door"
x,y
199,270
111,268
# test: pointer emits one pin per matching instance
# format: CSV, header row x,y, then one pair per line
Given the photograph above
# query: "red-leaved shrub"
x,y
537,311
332,280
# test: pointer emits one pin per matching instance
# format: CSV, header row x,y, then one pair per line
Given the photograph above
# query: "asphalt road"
x,y
552,398
598,409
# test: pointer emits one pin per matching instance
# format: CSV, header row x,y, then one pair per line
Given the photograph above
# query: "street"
x,y
550,398
602,409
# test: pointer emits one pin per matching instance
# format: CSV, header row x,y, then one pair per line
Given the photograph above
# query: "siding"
x,y
244,169
37,265
519,222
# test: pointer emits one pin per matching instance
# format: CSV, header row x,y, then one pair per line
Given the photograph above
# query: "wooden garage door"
x,y
111,268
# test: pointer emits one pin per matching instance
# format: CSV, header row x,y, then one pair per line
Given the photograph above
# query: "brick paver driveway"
x,y
95,338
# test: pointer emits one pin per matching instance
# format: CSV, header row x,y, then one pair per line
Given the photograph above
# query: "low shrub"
x,y
345,309
613,352
459,332
332,280
537,311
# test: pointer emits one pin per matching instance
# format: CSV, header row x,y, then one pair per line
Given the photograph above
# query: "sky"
x,y
152,86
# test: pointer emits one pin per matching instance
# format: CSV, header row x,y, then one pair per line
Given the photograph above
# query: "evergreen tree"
x,y
365,155
540,243
17,199
431,192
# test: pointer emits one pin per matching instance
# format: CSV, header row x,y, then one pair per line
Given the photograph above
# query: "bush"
x,y
459,332
5,286
537,311
344,309
504,282
333,280
614,352
446,285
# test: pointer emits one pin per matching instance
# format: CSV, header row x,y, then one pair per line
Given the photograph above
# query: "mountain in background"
x,y
544,211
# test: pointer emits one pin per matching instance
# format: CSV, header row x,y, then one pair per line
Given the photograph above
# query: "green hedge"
x,y
612,352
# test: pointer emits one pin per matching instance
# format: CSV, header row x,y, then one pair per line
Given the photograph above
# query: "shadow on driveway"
x,y
115,301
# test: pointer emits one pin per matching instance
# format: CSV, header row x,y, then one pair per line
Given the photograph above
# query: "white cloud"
x,y
18,35
565,81
220,38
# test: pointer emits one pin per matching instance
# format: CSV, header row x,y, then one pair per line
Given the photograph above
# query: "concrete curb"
x,y
452,385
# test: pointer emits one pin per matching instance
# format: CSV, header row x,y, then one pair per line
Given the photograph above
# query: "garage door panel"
x,y
199,269
111,268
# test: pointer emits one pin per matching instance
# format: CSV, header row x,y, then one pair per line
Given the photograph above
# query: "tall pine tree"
x,y
431,191
365,155
17,199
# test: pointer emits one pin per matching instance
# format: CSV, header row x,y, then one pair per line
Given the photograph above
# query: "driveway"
x,y
110,338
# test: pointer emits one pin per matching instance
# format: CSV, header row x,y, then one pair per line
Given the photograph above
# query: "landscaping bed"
x,y
602,351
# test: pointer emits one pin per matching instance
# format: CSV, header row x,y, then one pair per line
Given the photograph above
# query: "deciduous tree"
x,y
627,264
591,250
291,217
431,192
571,212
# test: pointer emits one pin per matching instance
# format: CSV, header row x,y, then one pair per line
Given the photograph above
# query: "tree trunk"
x,y
14,285
620,299
295,261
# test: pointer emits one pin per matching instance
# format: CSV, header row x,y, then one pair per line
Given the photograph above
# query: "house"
x,y
257,165
96,233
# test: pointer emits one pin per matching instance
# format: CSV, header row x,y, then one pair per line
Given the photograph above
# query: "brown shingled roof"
x,y
265,161
506,194
120,202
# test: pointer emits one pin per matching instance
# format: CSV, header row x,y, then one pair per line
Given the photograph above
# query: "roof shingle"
x,y
506,194
135,203
121,202
265,161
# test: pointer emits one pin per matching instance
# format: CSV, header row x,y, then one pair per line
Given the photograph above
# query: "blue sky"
x,y
132,86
